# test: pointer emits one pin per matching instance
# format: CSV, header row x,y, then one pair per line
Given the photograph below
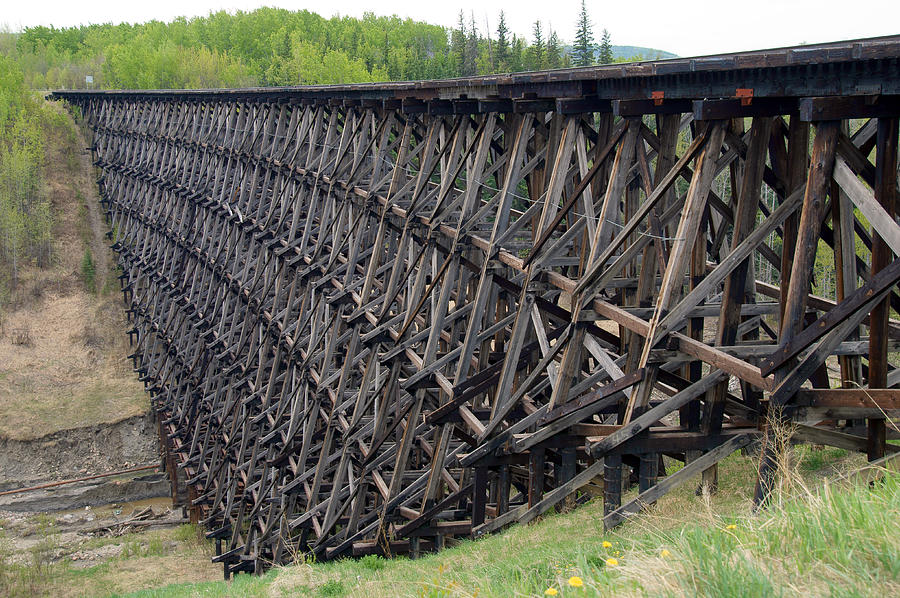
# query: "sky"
x,y
692,28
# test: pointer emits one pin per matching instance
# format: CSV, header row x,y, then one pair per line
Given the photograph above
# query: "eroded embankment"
x,y
78,452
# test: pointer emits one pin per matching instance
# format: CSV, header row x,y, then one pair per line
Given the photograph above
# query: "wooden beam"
x,y
675,480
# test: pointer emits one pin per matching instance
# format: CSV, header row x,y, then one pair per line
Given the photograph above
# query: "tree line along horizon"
x,y
273,46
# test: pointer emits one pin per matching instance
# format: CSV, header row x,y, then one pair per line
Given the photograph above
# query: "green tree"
x,y
284,44
554,51
458,45
501,48
536,54
245,48
517,57
605,54
583,50
25,215
470,63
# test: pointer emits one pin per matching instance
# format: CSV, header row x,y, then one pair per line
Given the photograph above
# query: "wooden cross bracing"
x,y
370,326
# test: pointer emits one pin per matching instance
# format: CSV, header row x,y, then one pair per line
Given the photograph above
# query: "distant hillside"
x,y
624,52
630,53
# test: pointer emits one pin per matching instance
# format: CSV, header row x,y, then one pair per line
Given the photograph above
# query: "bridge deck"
x,y
377,317
855,67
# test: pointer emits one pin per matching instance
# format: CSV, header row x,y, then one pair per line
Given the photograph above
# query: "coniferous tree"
x,y
458,45
501,48
491,62
517,55
279,47
583,51
554,51
471,62
605,54
536,51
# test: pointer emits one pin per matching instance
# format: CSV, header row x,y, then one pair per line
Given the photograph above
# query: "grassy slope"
x,y
72,371
821,542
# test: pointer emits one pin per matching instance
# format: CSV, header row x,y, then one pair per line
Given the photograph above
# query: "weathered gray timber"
x,y
377,317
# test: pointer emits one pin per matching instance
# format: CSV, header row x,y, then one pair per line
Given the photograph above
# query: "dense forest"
x,y
25,216
272,46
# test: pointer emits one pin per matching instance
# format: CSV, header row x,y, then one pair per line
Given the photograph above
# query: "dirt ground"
x,y
63,348
78,452
97,552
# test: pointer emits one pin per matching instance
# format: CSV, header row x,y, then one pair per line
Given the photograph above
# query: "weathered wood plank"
x,y
671,482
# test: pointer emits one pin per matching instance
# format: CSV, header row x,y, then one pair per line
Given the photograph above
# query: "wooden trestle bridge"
x,y
375,317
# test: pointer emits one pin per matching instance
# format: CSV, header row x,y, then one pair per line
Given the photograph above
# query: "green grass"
x,y
243,585
140,548
826,542
814,458
89,272
189,532
19,581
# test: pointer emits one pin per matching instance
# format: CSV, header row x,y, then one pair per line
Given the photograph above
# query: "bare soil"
x,y
63,349
81,553
72,528
77,452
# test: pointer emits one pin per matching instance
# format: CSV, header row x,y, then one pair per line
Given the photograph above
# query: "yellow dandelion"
x,y
576,582
551,592
607,544
665,553
731,526
612,562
